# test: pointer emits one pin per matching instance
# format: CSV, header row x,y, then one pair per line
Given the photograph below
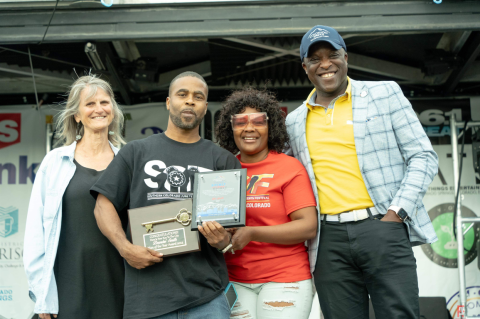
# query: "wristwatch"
x,y
401,213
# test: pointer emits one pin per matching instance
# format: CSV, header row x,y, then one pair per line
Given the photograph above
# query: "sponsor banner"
x,y
22,148
435,118
144,120
437,263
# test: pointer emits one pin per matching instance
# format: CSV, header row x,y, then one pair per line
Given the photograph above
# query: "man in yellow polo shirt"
x,y
370,164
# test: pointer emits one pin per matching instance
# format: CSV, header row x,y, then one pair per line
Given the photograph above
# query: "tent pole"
x,y
33,77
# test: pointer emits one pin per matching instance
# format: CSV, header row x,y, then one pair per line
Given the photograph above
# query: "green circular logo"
x,y
444,251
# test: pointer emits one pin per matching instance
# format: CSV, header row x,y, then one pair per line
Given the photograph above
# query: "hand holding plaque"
x,y
215,234
164,228
220,196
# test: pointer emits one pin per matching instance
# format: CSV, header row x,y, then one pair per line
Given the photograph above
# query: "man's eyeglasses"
x,y
240,121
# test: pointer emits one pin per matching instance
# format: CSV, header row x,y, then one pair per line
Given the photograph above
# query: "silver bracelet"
x,y
224,250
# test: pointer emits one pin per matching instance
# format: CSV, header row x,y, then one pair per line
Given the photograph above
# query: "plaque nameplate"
x,y
166,239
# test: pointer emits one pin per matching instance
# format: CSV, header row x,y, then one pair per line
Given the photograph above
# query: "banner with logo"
x,y
22,148
437,263
144,120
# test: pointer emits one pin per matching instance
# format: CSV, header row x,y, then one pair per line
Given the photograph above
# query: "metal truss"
x,y
404,73
75,23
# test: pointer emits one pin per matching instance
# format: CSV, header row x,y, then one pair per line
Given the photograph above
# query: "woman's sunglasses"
x,y
240,121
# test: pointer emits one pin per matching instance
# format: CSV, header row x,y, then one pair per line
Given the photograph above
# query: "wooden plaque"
x,y
164,228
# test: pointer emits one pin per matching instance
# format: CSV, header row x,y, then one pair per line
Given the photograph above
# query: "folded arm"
x,y
303,226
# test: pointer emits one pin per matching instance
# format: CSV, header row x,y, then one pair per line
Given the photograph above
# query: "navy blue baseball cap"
x,y
321,33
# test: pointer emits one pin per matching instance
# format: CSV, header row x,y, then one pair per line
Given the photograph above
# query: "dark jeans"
x,y
218,308
368,257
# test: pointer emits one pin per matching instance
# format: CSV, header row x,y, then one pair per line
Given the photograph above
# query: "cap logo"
x,y
318,33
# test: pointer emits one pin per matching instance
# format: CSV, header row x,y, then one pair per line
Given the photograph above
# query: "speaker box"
x,y
430,308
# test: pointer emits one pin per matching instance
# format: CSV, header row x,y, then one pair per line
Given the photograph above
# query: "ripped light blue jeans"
x,y
273,300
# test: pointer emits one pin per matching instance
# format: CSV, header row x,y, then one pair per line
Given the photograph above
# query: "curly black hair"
x,y
262,101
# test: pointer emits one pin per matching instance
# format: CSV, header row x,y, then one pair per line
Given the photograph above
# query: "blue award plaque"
x,y
220,196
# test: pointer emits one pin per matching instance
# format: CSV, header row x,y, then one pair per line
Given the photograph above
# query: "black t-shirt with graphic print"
x,y
157,170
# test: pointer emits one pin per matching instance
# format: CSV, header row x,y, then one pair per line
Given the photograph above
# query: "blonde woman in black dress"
x,y
73,271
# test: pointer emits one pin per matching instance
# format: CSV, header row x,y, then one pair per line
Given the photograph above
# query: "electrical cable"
x,y
458,185
33,79
48,26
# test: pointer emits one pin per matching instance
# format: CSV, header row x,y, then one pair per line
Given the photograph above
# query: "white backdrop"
x,y
23,130
20,156
437,263
144,120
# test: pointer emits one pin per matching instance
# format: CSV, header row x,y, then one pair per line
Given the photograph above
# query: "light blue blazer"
x,y
44,221
395,156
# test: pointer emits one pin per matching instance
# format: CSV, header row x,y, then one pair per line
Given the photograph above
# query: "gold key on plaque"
x,y
183,217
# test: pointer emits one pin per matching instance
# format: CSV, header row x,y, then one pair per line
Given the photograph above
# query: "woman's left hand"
x,y
215,234
242,237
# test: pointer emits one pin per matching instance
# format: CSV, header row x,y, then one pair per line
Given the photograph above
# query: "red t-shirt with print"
x,y
276,187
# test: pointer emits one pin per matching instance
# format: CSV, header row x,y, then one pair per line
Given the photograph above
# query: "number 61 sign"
x,y
438,117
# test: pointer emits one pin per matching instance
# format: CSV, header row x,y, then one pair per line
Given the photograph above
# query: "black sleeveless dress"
x,y
88,269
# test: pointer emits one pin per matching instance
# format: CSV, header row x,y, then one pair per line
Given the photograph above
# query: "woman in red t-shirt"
x,y
269,266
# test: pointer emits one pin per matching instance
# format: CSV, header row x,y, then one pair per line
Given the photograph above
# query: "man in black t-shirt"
x,y
160,169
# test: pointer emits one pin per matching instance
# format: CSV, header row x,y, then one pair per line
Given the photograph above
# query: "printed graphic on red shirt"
x,y
257,190
273,193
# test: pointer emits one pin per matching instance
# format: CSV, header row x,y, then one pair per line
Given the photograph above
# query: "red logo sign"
x,y
10,128
460,312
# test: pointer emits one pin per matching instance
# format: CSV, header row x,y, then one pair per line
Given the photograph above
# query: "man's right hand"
x,y
110,225
46,316
141,257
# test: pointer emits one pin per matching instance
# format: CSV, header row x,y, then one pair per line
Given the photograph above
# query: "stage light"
x,y
107,3
94,57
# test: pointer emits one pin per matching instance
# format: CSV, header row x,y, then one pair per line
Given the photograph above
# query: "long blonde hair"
x,y
66,124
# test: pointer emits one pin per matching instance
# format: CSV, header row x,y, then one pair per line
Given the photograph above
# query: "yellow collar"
x,y
348,93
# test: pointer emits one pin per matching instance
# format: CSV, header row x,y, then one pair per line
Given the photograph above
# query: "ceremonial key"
x,y
183,217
